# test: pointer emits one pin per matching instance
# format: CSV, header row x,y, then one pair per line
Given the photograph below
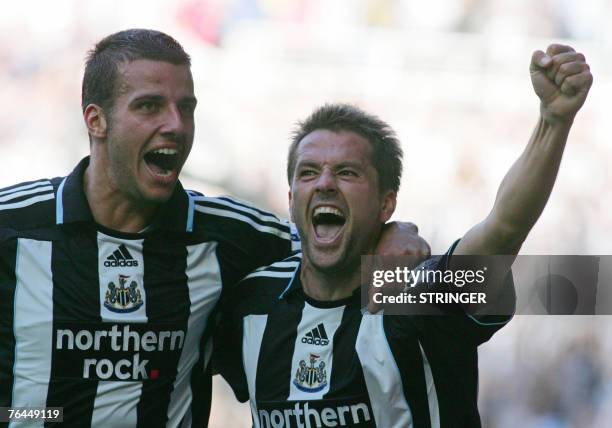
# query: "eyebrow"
x,y
158,98
345,164
356,165
147,97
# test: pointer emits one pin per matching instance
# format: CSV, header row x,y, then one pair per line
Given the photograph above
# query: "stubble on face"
x,y
334,176
162,121
149,132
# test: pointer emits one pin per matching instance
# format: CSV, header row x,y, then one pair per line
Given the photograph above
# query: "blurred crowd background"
x,y
451,76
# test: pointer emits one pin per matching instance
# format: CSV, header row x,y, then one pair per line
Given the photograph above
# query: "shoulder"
x,y
29,205
281,271
264,286
232,212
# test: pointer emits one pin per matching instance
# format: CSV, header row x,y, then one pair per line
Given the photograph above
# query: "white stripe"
x,y
285,264
27,202
432,395
270,274
256,226
253,327
302,351
204,282
232,204
27,186
59,203
116,404
296,245
107,245
26,192
33,325
381,375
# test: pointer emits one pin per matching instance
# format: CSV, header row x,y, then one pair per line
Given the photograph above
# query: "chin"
x,y
158,197
328,263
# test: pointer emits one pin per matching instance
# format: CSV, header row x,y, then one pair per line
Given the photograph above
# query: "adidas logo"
x,y
121,257
316,336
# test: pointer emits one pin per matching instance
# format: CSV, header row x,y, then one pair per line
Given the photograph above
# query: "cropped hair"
x,y
103,61
386,151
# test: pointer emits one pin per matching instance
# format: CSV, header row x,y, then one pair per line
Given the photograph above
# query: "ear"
x,y
95,119
388,204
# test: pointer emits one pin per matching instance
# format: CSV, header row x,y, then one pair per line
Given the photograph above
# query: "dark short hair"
x,y
386,151
102,63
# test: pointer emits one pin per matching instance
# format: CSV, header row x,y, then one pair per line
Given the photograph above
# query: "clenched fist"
x,y
561,78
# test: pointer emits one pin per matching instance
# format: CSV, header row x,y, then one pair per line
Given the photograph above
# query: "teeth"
x,y
328,210
165,151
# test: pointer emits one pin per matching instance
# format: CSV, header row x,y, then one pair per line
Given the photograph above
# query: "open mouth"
x,y
162,162
327,222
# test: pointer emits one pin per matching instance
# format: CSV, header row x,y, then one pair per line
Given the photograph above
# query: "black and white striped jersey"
x,y
306,363
115,327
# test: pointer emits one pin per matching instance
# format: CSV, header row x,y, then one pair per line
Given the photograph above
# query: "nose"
x,y
174,123
326,181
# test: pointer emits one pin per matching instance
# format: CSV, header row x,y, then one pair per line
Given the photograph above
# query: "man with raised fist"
x,y
296,342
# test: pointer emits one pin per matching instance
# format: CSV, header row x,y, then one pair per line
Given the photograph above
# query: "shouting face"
x,y
149,131
335,199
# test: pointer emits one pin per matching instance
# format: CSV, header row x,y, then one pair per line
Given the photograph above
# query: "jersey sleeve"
x,y
455,319
228,341
227,353
248,237
256,295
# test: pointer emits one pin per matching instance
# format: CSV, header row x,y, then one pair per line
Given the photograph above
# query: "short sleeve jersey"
x,y
116,327
306,363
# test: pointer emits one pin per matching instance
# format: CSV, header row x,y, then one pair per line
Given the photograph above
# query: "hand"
x,y
402,239
561,78
399,244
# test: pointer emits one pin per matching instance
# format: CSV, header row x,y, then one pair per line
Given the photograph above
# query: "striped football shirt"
x,y
308,363
116,327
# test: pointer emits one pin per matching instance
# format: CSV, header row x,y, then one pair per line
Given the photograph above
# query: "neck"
x,y
326,286
110,207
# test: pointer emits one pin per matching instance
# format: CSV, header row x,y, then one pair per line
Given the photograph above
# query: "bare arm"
x,y
561,78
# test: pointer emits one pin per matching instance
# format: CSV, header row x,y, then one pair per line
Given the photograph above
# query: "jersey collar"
x,y
72,206
295,284
295,288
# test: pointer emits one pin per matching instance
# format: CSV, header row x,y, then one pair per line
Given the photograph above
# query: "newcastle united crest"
x,y
121,298
311,377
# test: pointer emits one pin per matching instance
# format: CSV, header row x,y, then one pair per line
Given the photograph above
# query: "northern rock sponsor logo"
x,y
118,352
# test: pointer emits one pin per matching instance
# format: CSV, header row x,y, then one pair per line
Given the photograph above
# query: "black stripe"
x,y
201,377
8,260
322,331
279,269
274,365
168,306
76,302
457,377
407,354
256,219
347,379
124,251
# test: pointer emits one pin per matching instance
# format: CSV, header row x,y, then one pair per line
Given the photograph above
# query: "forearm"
x,y
561,78
526,187
522,194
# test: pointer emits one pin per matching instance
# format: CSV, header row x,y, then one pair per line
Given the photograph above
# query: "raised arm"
x,y
561,78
